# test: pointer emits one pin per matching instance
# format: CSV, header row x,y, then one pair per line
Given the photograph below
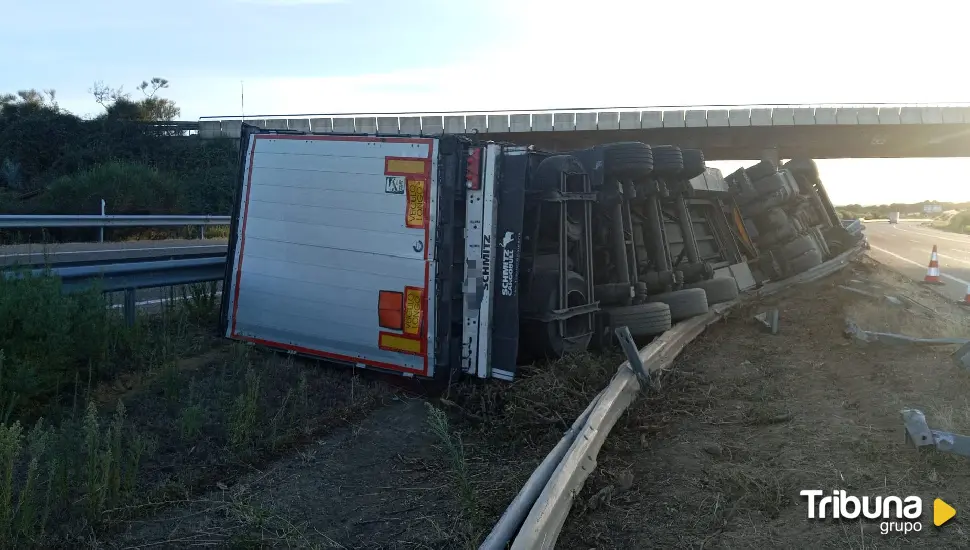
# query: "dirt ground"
x,y
747,419
744,421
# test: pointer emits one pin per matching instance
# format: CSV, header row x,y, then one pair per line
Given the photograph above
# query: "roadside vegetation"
x,y
103,423
907,210
54,162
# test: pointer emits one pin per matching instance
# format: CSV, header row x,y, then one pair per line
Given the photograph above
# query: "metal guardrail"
x,y
542,506
131,276
43,221
16,221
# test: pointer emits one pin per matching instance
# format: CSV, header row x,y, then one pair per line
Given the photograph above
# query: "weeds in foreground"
x,y
473,521
244,414
102,476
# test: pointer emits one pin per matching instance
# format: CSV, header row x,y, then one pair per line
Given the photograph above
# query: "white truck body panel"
x,y
894,217
480,247
332,229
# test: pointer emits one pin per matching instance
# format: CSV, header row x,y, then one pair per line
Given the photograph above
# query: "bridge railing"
x,y
603,118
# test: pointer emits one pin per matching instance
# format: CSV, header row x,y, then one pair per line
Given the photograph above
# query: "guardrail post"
x,y
101,229
202,232
130,307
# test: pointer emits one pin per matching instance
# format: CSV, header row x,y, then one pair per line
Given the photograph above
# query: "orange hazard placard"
x,y
415,197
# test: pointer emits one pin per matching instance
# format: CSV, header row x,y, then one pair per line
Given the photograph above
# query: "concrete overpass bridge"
x,y
722,132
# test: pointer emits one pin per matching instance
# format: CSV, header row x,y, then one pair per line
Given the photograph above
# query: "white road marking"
x,y
907,260
101,250
936,235
153,302
952,258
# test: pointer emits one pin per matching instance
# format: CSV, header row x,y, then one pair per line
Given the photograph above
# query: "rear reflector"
x,y
390,306
405,167
393,342
473,169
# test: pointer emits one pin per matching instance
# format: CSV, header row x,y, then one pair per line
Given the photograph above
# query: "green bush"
x,y
39,145
126,186
49,340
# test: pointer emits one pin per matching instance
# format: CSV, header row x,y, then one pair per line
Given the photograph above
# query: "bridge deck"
x,y
856,131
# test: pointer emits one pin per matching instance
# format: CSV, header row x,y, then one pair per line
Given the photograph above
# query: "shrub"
x,y
47,338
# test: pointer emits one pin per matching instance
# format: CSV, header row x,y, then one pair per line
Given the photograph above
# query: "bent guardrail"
x,y
559,478
131,276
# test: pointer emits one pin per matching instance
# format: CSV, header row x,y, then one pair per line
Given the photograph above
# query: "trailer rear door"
x,y
332,253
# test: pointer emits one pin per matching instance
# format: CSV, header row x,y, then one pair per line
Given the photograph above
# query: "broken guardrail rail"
x,y
541,507
917,432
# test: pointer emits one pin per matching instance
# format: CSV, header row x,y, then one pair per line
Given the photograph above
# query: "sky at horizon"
x,y
333,56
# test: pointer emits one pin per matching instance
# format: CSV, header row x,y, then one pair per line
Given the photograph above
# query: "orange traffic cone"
x,y
966,301
933,271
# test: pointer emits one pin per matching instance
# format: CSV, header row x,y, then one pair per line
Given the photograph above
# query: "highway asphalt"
x,y
906,248
80,253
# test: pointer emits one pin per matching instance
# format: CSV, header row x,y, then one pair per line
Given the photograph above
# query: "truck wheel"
x,y
668,161
548,173
577,337
694,164
823,247
804,262
628,160
774,218
798,246
761,170
803,166
684,304
718,289
771,183
646,319
782,234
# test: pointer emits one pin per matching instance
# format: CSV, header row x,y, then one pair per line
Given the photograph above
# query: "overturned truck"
x,y
788,215
436,256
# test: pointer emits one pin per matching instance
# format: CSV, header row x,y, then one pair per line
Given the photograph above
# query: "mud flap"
x,y
505,294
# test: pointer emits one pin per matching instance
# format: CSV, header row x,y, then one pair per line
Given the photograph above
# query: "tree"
x,y
29,100
119,105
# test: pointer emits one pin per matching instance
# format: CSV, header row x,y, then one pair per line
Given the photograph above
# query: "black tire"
x,y
803,166
694,164
684,304
647,319
628,160
668,161
547,339
820,241
804,262
548,173
772,220
782,234
763,169
718,289
771,183
798,246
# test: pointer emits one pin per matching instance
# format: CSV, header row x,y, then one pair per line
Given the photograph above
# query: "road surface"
x,y
39,254
906,248
81,253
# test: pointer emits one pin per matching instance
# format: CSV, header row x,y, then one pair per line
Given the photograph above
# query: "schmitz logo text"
x,y
508,264
899,514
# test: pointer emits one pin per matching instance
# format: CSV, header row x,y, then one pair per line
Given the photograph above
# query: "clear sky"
x,y
331,56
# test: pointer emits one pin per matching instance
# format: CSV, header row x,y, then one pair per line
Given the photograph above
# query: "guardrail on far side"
x,y
43,221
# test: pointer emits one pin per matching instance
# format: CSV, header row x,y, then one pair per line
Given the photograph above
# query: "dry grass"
x,y
745,420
